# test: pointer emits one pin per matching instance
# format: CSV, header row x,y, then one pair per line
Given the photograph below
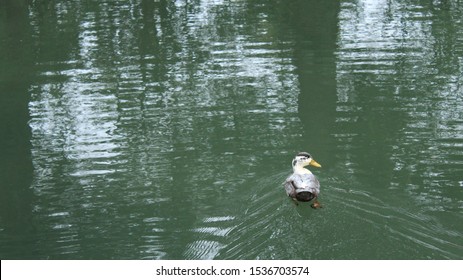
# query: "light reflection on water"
x,y
388,50
165,132
147,146
403,72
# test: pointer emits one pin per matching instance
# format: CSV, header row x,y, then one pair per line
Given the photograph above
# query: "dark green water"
x,y
164,129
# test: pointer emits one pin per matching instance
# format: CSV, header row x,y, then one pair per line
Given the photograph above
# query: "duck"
x,y
302,185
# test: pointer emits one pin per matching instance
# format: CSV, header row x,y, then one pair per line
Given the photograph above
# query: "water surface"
x,y
164,129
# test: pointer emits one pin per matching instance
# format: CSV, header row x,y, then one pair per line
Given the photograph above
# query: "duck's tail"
x,y
304,195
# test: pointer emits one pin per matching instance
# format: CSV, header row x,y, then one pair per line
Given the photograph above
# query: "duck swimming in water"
x,y
302,185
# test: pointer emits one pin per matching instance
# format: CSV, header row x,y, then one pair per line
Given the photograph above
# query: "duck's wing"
x,y
290,186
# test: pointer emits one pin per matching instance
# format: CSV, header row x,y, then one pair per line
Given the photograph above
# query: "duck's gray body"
x,y
302,187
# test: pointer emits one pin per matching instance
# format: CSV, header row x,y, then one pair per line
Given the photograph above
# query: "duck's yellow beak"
x,y
314,163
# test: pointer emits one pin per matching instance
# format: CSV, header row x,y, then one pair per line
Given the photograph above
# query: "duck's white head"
x,y
303,159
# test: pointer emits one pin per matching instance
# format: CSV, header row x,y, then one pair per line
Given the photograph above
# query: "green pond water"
x,y
154,129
